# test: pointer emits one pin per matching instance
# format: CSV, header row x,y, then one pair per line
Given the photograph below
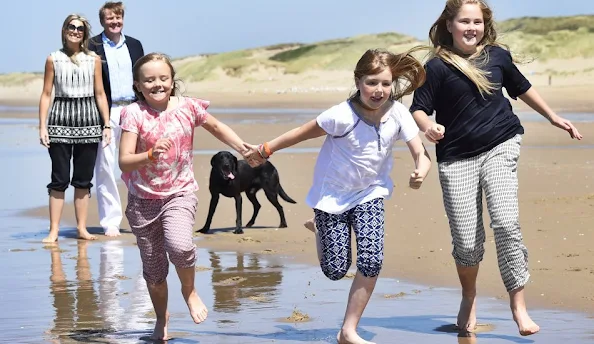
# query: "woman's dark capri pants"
x,y
83,157
367,221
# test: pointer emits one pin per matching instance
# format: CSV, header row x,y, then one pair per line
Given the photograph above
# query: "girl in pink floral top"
x,y
156,160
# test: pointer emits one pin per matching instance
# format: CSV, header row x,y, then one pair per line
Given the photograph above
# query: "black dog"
x,y
231,177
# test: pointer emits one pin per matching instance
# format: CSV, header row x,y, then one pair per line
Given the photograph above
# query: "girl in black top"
x,y
481,148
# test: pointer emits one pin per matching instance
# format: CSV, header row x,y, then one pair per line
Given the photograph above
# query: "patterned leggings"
x,y
367,221
463,183
161,227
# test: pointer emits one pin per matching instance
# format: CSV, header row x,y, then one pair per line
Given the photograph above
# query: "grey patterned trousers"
x,y
462,184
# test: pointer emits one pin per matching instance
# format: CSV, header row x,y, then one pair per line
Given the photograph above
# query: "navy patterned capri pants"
x,y
462,184
367,222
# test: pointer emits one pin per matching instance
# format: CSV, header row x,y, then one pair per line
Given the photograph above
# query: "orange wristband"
x,y
150,155
267,149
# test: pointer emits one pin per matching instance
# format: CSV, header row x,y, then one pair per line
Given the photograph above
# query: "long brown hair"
x,y
84,43
443,44
149,58
408,73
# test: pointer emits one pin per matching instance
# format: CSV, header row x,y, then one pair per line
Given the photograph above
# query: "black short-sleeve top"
x,y
473,124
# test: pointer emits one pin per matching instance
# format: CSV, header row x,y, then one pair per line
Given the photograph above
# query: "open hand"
x,y
566,125
252,155
435,133
416,179
44,137
106,137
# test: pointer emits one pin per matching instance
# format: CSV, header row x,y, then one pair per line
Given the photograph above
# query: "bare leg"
x,y
311,225
197,308
467,313
81,210
159,297
518,306
359,296
56,204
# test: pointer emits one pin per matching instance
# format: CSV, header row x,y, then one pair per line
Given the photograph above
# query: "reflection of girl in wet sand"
x,y
478,148
352,172
73,130
157,163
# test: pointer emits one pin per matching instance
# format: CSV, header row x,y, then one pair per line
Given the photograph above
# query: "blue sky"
x,y
188,27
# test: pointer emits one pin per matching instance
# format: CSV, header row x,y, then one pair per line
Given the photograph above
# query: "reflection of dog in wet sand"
x,y
250,276
231,177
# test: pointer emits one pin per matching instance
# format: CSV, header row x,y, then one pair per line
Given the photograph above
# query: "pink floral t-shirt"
x,y
173,172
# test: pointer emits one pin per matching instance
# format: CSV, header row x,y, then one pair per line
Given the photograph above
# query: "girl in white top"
x,y
352,172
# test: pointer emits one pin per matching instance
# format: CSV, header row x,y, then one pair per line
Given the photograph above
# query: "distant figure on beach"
x,y
118,53
73,131
352,172
157,163
478,141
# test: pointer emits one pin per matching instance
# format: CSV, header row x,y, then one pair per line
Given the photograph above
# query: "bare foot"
x,y
160,331
345,337
309,224
51,238
112,232
467,315
197,308
85,235
525,323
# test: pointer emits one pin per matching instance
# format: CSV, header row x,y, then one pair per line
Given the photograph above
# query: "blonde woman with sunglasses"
x,y
71,129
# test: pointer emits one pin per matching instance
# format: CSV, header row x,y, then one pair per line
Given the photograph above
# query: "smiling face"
x,y
74,32
375,89
112,23
155,82
467,28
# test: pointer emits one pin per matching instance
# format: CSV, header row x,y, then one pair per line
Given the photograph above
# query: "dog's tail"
x,y
283,194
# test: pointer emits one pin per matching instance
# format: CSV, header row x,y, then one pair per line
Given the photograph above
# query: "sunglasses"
x,y
73,28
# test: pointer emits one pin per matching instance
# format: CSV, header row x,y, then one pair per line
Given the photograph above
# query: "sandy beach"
x,y
556,204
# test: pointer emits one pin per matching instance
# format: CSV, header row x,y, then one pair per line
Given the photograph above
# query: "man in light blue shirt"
x,y
118,54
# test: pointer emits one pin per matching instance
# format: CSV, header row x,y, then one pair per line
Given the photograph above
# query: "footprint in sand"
x,y
297,316
395,296
231,281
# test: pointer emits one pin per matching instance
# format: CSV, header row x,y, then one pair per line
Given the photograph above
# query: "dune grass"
x,y
18,79
551,37
531,37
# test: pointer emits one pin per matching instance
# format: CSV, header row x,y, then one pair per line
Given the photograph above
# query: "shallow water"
x,y
94,292
280,115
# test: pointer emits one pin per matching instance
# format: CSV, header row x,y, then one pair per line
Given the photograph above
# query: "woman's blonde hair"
x,y
443,44
408,73
149,58
84,43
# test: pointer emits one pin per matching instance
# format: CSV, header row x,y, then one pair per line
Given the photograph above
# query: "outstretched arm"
x,y
309,130
225,134
422,162
535,101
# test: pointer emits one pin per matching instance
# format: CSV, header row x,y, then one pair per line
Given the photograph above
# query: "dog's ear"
x,y
212,160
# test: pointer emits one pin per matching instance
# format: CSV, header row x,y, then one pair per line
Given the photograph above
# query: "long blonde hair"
x,y
408,73
443,44
84,43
